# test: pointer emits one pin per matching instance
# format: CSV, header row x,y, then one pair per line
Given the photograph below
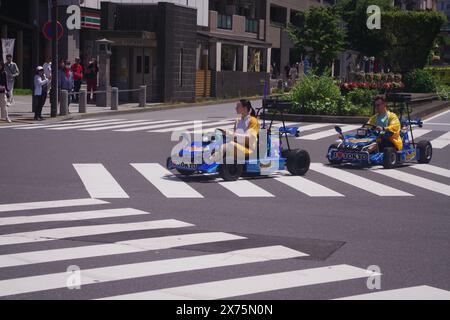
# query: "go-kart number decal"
x,y
187,166
349,156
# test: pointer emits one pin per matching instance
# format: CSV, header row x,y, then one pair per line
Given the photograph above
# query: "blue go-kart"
x,y
273,159
353,148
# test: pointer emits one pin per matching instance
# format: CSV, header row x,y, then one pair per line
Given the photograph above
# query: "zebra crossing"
x,y
309,132
37,281
101,184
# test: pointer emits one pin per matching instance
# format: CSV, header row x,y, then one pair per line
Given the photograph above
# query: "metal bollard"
x,y
142,96
114,98
64,103
82,101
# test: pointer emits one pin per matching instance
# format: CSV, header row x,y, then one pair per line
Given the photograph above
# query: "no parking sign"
x,y
49,33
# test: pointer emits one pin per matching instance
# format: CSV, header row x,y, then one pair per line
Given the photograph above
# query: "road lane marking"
x,y
148,127
358,182
165,181
192,126
436,116
245,189
68,125
71,232
147,269
441,142
432,169
72,216
416,181
328,133
411,293
83,126
308,187
49,204
417,133
129,124
251,285
98,182
123,247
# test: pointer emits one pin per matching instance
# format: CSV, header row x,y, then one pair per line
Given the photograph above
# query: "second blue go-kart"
x,y
273,159
353,148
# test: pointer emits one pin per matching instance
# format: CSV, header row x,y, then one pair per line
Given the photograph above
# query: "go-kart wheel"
x,y
169,164
185,172
298,162
230,172
389,158
425,151
331,161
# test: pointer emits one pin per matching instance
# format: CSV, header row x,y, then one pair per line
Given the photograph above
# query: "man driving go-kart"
x,y
385,121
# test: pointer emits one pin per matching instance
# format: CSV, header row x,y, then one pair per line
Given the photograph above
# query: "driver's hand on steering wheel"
x,y
379,129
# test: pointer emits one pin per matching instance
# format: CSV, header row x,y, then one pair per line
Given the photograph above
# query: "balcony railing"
x,y
224,22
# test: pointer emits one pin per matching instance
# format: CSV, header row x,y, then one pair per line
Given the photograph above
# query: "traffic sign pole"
x,y
55,65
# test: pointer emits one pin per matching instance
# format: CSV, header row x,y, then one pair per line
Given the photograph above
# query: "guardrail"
x,y
112,92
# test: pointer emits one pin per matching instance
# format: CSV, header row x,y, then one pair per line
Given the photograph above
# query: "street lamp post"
x,y
54,90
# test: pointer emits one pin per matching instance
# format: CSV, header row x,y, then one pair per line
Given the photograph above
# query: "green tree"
x,y
319,36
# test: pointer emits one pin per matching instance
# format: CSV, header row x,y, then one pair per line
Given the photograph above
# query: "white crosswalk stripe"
x,y
99,182
432,169
327,133
165,181
246,189
416,181
358,182
152,126
62,233
129,124
84,126
442,141
411,293
49,204
69,125
417,133
251,285
147,269
308,187
195,126
122,247
72,216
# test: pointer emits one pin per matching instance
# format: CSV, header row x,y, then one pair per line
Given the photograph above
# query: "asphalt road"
x,y
261,238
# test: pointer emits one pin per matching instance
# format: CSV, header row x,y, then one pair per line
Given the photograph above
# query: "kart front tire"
x,y
230,172
298,162
425,151
185,172
389,158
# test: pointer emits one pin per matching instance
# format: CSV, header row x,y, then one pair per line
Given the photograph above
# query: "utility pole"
x,y
54,90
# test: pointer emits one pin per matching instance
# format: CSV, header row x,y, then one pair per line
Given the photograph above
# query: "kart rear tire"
x,y
389,158
298,162
425,151
334,162
230,172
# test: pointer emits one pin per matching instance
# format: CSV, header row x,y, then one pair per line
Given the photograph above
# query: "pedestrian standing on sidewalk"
x,y
91,79
4,93
48,70
12,72
65,78
40,91
77,71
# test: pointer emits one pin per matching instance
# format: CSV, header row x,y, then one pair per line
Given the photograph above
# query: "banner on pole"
x,y
7,47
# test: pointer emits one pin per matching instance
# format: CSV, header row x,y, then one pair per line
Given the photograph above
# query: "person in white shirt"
x,y
40,91
48,71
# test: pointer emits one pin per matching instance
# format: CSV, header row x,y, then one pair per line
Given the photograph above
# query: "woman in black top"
x,y
4,93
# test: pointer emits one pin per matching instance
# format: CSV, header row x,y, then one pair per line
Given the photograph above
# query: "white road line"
x,y
72,216
310,127
83,126
165,181
98,182
129,124
308,187
411,293
147,269
416,181
441,142
19,126
246,189
226,127
417,133
148,127
49,204
432,169
436,116
62,233
359,182
65,125
328,133
204,124
439,123
251,285
123,247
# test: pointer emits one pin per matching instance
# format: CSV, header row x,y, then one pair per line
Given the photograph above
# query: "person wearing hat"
x,y
40,92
